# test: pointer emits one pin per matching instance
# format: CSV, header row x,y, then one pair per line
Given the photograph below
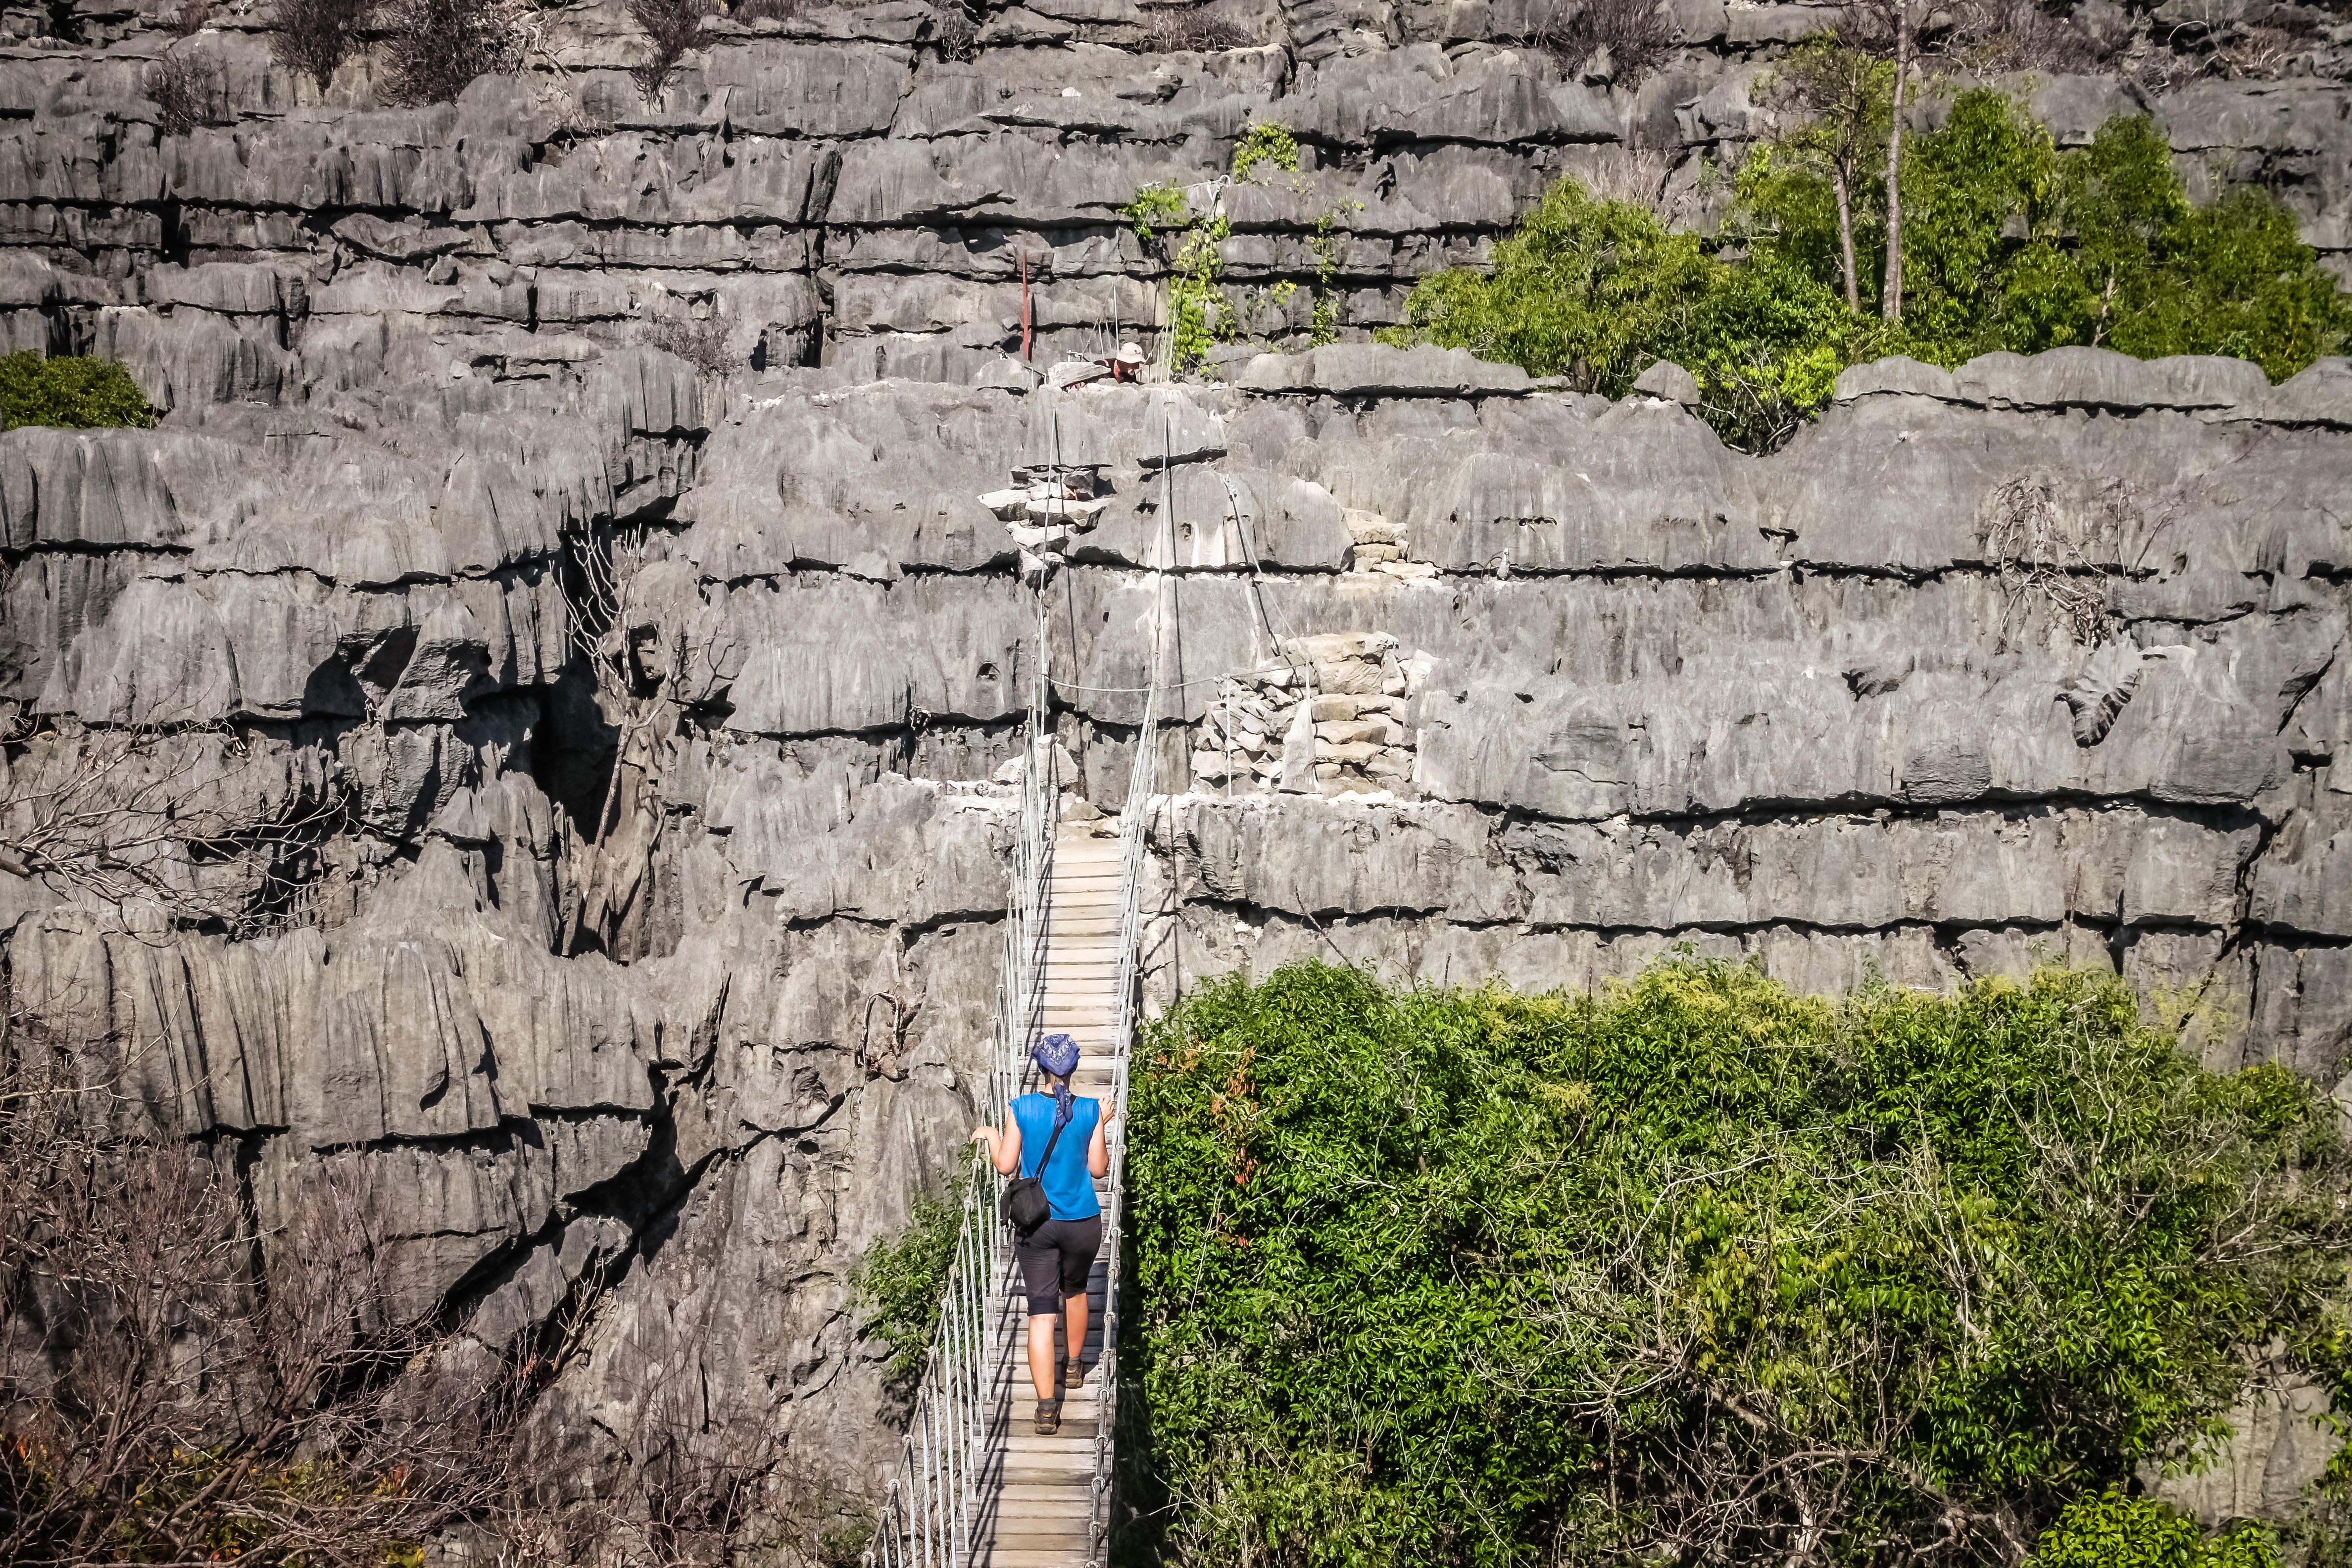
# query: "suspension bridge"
x,y
975,1488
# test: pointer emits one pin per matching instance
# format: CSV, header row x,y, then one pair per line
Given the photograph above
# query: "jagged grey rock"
x,y
1593,684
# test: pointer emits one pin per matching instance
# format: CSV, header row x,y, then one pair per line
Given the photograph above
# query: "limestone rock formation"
x,y
575,549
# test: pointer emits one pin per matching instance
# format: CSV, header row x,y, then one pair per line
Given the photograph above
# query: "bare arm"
x,y
1098,1148
1003,1145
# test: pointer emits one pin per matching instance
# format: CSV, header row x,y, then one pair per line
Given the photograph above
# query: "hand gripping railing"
x,y
929,1512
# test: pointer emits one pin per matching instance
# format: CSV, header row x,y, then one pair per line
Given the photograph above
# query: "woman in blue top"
x,y
1055,1257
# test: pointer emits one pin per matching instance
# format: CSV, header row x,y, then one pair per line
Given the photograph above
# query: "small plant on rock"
x,y
1265,144
959,35
73,392
315,36
701,343
1197,316
183,91
1197,29
672,27
436,47
752,11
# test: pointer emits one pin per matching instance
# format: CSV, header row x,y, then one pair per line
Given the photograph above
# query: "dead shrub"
x,y
216,827
1197,28
185,91
190,18
959,35
2266,41
1643,177
315,36
434,48
701,343
672,27
2021,36
780,11
180,1379
1617,41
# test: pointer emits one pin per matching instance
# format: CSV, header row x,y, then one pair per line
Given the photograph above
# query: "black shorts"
x,y
1056,1258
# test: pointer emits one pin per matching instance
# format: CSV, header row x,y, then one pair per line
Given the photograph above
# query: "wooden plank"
x,y
1038,1502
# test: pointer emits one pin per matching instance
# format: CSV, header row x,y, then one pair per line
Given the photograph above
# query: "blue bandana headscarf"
x,y
1057,1055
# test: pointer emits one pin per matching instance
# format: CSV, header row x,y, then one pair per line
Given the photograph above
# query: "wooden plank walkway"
x,y
1036,1494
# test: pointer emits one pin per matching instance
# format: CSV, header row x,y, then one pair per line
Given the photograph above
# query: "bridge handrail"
x,y
927,1516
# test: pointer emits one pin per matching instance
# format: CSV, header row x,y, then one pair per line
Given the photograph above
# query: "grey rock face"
x,y
1538,686
1480,676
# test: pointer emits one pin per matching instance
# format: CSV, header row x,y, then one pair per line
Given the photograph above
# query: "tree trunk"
x,y
1845,236
1891,305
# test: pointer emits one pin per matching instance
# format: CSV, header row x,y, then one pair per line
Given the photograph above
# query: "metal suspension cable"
x,y
931,1505
1134,838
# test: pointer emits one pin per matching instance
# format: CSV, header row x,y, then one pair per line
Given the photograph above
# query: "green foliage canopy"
x,y
2007,243
899,1280
75,393
1695,1271
2113,1531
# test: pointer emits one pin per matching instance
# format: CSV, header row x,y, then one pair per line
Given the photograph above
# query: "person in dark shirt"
x,y
1055,1257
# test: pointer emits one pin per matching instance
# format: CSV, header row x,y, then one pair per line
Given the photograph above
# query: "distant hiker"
x,y
1066,1132
1126,365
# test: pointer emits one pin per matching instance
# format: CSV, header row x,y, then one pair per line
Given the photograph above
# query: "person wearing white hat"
x,y
1128,363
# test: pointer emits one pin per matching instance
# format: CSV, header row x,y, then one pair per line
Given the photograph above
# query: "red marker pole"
x,y
1025,305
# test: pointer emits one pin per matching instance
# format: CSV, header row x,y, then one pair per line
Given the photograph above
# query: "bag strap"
x,y
1046,1158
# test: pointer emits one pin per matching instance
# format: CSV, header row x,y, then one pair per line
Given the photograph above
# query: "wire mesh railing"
x,y
938,1502
934,1505
1134,841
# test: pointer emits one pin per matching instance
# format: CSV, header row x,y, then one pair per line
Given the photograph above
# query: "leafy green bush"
x,y
1201,313
2110,1530
1267,143
899,1280
78,393
1697,1270
2007,244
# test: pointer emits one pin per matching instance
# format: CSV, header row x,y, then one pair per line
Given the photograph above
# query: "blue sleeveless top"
x,y
1069,1191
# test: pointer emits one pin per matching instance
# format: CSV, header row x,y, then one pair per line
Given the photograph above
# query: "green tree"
x,y
2230,278
1694,1271
75,393
1978,189
2110,1530
1593,291
2009,244
1847,97
899,1280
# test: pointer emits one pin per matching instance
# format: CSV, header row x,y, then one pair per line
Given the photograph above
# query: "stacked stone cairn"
x,y
1330,719
1044,505
1379,547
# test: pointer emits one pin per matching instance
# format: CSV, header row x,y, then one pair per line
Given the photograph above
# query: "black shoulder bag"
x,y
1025,1207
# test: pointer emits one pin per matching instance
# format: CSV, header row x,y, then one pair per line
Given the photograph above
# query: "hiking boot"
x,y
1074,1374
1049,1417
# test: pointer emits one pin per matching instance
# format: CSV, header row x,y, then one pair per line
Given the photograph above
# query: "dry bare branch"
x,y
216,826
